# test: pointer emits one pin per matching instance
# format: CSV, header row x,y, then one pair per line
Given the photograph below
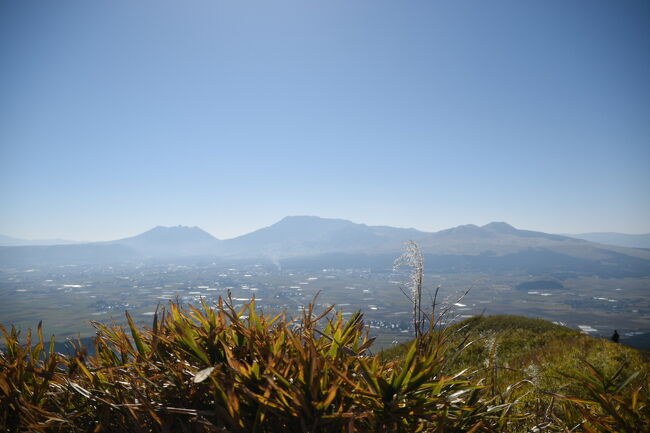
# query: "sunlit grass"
x,y
215,368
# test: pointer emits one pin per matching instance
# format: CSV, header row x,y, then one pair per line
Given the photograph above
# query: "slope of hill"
x,y
515,337
8,241
531,359
616,239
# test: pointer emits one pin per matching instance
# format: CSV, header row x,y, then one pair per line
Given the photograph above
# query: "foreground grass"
x,y
563,379
217,369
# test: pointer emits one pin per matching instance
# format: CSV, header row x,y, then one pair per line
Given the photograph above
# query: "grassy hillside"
x,y
547,368
221,370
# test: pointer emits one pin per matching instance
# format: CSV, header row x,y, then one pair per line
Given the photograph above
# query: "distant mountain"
x,y
176,241
308,241
8,241
296,236
494,238
498,247
617,239
157,243
495,247
499,238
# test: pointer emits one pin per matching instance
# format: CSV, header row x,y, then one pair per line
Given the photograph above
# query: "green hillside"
x,y
217,369
535,363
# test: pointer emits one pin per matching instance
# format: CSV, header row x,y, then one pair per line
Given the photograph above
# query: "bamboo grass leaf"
x,y
408,362
137,338
627,381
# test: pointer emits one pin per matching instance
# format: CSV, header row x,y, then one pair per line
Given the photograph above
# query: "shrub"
x,y
217,369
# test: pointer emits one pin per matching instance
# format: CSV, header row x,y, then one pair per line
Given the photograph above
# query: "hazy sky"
x,y
116,116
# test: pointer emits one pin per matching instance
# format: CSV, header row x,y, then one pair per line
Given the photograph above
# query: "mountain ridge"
x,y
170,241
10,241
616,239
496,245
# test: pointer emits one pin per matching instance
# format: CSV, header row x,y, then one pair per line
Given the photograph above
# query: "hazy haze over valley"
x,y
586,285
309,236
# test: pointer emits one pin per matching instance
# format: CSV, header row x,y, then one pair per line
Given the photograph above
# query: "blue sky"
x,y
229,115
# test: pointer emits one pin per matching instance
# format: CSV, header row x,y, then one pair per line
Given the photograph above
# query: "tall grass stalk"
x,y
414,260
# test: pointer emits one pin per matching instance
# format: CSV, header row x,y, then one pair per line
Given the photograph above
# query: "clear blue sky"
x,y
116,116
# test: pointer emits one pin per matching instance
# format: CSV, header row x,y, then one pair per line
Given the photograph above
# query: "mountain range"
x,y
8,241
618,239
323,242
